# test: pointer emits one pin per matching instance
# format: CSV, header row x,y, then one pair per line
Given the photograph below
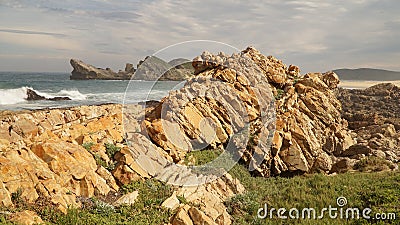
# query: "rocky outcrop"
x,y
33,96
309,130
371,106
83,71
373,113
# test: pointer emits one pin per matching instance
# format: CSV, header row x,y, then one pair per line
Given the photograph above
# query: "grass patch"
x,y
373,164
146,210
378,191
202,157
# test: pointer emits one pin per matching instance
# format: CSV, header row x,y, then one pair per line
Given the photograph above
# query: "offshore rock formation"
x,y
83,71
151,68
309,132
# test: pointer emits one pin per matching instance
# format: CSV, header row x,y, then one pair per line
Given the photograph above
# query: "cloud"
x,y
32,32
316,35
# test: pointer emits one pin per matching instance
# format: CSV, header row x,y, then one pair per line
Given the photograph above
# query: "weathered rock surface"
x,y
208,200
42,153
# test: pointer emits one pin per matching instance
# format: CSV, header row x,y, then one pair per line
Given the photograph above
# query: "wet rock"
x,y
33,96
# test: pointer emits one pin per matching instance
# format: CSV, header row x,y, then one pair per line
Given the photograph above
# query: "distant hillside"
x,y
367,74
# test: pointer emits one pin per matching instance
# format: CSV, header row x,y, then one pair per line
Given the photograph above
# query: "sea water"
x,y
14,85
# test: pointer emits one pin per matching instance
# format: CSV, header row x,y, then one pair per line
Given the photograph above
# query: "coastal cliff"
x,y
294,124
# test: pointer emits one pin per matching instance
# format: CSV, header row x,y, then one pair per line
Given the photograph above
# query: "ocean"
x,y
13,87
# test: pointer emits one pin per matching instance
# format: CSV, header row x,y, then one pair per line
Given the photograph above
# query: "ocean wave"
x,y
13,96
18,95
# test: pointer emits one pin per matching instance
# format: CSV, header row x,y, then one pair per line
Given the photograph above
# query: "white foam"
x,y
18,95
73,94
12,96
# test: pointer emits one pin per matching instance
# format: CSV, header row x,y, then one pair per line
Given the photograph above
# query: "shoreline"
x,y
361,84
16,112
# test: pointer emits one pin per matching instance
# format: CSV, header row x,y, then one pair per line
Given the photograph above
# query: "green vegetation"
x,y
88,146
202,157
111,149
146,210
279,94
378,191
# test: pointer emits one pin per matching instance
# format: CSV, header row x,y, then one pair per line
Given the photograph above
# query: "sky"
x,y
318,36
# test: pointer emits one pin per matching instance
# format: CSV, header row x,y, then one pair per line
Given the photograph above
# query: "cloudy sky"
x,y
42,35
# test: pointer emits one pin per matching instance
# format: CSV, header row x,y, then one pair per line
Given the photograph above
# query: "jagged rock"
x,y
375,105
308,115
357,149
129,68
32,95
343,165
199,218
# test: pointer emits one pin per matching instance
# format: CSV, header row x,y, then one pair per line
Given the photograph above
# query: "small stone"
x,y
171,203
127,199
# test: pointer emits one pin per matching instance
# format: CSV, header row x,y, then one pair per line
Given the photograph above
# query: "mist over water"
x,y
13,86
